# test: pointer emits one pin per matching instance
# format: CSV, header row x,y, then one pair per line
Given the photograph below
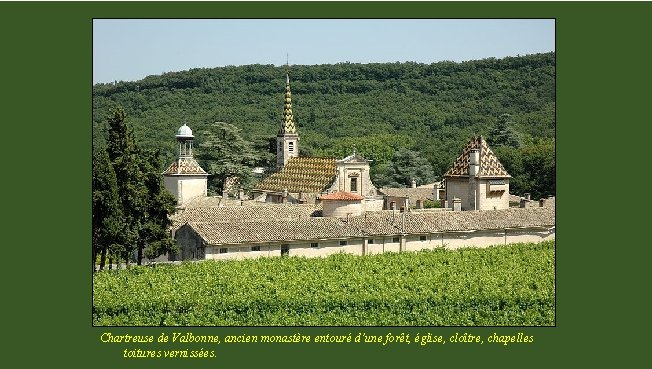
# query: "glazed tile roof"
x,y
343,196
184,165
311,175
287,124
382,223
489,164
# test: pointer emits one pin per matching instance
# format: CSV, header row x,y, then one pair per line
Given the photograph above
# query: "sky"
x,y
131,49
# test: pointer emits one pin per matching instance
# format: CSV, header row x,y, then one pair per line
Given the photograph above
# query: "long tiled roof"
x,y
185,165
342,196
243,213
247,230
273,230
413,194
311,175
388,223
489,164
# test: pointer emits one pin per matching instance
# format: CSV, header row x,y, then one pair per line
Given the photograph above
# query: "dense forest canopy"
x,y
380,108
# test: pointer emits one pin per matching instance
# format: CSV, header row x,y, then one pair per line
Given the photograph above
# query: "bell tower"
x,y
184,178
287,140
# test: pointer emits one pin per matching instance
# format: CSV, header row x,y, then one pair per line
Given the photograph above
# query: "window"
x,y
343,243
255,248
291,146
354,184
371,241
314,244
285,250
422,238
395,239
223,250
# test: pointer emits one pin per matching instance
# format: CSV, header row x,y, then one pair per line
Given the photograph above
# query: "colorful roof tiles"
x,y
490,166
310,175
184,165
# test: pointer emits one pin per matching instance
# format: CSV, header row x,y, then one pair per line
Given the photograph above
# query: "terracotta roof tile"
x,y
342,195
235,213
217,231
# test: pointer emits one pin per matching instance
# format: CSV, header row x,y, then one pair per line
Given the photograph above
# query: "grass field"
x,y
506,285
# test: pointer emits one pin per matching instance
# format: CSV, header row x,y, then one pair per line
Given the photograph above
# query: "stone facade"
x,y
363,245
352,175
478,179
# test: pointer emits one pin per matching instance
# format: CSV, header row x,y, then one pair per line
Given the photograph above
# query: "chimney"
x,y
284,197
414,183
457,204
527,196
435,192
474,163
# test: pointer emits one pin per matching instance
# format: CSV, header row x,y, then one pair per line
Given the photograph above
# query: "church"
x,y
301,180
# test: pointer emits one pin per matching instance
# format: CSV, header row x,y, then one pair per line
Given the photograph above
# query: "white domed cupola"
x,y
185,137
185,132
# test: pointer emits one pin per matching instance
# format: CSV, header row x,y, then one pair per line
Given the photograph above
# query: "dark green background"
x,y
602,118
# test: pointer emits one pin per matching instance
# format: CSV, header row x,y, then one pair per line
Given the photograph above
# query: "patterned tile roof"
x,y
311,175
489,164
184,165
287,124
343,196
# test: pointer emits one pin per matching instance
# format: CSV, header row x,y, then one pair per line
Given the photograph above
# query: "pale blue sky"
x,y
129,50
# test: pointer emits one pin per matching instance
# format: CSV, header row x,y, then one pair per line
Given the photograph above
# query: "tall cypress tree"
x,y
159,205
123,153
146,204
107,213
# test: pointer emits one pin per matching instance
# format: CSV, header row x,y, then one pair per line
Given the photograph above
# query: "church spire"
x,y
287,139
287,125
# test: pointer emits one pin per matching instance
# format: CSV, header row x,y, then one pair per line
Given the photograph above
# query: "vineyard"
x,y
507,285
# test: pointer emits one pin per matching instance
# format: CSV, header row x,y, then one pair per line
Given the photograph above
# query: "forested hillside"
x,y
388,111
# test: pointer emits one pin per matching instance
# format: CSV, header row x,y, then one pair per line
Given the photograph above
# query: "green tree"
x,y
125,160
106,213
503,134
406,166
159,204
532,167
224,153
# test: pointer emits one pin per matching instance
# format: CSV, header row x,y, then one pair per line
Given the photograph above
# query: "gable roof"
x,y
354,158
490,166
310,175
184,165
